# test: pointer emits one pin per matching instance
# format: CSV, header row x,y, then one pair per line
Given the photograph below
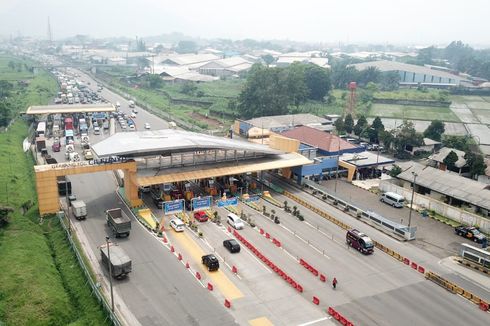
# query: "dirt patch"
x,y
209,121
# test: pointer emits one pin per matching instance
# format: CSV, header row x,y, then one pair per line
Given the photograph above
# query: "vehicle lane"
x,y
157,291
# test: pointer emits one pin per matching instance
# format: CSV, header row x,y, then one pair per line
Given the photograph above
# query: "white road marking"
x,y
315,321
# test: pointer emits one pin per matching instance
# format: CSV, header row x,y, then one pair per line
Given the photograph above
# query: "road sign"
x,y
201,203
228,202
174,206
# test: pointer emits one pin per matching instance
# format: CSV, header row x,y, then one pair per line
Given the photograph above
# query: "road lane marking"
x,y
315,321
261,321
225,285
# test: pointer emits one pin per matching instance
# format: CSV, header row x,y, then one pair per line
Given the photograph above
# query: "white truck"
x,y
131,103
79,209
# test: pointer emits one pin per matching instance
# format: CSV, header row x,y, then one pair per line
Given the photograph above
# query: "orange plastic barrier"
x,y
172,249
316,301
198,275
484,306
179,256
323,278
414,265
187,265
406,261
210,287
227,303
421,269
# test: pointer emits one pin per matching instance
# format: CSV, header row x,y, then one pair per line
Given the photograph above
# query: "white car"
x,y
133,115
177,224
124,126
147,126
132,127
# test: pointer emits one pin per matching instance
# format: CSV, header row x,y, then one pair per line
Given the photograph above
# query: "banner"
x,y
172,207
228,202
201,203
252,199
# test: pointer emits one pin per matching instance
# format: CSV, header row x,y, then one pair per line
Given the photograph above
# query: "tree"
x,y
450,160
318,82
476,163
435,130
386,138
296,86
188,88
5,88
378,124
348,123
360,126
343,75
390,81
395,170
405,135
154,81
369,75
186,47
5,113
264,93
268,59
339,126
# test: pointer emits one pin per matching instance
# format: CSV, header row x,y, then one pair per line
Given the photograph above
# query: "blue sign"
x,y
201,203
228,202
252,199
172,207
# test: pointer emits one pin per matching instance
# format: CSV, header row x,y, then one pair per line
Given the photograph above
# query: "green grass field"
x,y
40,280
412,112
411,94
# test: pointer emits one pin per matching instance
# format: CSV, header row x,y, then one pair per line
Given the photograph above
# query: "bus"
x,y
41,129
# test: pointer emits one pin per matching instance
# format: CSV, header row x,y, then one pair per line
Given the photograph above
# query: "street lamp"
x,y
411,201
110,272
338,160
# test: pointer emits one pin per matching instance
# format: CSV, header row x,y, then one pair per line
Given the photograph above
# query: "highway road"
x,y
373,290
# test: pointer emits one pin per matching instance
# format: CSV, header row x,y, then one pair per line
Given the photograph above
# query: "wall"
x,y
451,212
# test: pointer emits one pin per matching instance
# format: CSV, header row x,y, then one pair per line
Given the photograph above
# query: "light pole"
x,y
411,201
338,160
110,272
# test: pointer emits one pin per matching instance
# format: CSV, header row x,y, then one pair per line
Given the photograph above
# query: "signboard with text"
x,y
228,202
173,207
201,203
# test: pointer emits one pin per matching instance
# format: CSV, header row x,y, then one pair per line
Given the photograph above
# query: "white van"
x,y
96,131
393,199
235,221
177,224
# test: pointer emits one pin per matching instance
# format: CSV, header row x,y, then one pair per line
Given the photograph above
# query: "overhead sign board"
x,y
228,202
173,207
201,203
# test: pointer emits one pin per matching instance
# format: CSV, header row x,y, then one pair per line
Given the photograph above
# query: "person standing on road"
x,y
334,283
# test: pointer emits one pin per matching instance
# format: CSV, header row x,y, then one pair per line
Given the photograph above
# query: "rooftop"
x,y
450,184
317,138
366,159
70,108
288,120
444,152
166,141
384,65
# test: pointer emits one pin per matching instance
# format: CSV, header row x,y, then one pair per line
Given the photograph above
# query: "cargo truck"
x,y
79,209
120,263
119,222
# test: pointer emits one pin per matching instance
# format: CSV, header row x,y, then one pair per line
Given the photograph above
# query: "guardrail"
x,y
428,274
394,227
95,287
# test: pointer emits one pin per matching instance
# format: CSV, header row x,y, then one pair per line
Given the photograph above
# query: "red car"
x,y
200,216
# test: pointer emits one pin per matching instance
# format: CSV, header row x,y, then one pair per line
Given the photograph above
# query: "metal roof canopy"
x,y
71,108
366,159
221,169
166,141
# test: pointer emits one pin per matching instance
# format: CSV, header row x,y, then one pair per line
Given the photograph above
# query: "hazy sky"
x,y
382,21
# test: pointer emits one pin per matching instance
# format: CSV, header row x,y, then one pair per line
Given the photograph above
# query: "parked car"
x,y
211,262
232,245
201,216
470,232
147,126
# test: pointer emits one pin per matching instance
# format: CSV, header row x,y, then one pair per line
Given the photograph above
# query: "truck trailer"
x,y
120,263
79,209
118,221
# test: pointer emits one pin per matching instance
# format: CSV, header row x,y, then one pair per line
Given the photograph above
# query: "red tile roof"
x,y
323,140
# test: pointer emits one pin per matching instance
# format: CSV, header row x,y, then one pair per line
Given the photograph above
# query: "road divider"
x,y
210,286
313,270
338,317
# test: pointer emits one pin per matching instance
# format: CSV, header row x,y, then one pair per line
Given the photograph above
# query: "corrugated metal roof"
x,y
71,108
155,142
193,173
317,138
444,152
450,184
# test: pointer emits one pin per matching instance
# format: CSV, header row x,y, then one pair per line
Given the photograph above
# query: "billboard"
x,y
201,203
228,202
173,207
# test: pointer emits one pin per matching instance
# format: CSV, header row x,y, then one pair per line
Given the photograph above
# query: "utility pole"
x,y
110,271
338,160
411,201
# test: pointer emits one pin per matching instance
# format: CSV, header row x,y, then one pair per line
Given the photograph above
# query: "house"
x,y
225,67
180,74
437,159
429,146
312,57
190,60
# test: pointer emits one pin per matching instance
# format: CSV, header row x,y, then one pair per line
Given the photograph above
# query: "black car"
x,y
470,232
232,245
211,262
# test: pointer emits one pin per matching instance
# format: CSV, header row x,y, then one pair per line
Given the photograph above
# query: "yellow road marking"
x,y
219,279
262,321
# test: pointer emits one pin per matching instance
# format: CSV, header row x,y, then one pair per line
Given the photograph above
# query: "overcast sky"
x,y
381,21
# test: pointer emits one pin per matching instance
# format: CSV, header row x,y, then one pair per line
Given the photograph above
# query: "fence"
x,y
95,288
451,212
